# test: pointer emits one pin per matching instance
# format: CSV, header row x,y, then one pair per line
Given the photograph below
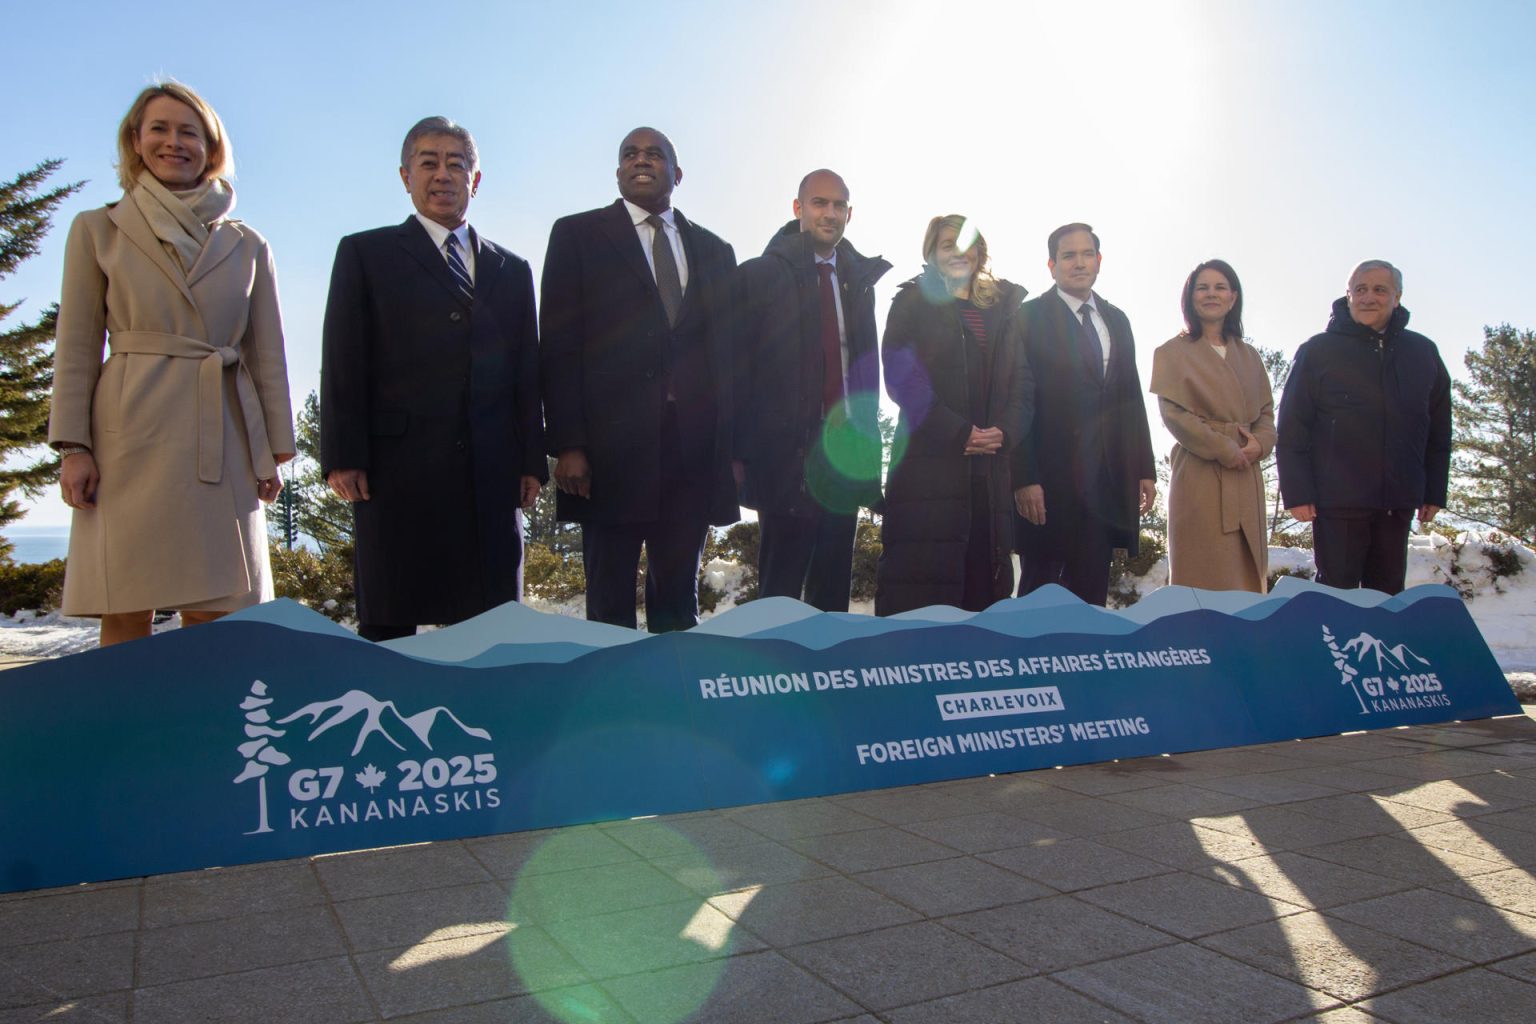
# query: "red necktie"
x,y
831,343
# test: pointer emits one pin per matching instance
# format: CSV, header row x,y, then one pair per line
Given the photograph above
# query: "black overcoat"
x,y
606,357
1089,446
796,459
437,399
927,522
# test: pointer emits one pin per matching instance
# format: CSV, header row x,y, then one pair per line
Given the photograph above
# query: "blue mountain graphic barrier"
x,y
273,733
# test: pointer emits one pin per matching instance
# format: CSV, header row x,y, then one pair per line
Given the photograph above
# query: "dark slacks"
x,y
1362,548
1079,559
807,558
1081,564
673,542
375,632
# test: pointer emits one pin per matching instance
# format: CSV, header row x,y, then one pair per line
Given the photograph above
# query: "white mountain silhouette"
x,y
356,702
1395,658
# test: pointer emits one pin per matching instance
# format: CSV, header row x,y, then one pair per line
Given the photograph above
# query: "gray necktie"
x,y
667,280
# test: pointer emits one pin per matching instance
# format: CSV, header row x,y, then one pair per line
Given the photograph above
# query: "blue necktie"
x,y
1088,338
456,266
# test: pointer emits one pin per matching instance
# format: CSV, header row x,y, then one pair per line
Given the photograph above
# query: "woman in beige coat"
x,y
1215,399
171,445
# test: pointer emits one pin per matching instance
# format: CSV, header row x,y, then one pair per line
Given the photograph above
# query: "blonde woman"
x,y
954,364
170,446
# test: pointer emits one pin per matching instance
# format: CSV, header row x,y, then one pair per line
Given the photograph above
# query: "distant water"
x,y
38,543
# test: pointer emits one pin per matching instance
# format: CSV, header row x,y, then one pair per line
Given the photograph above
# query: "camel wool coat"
x,y
1216,531
184,416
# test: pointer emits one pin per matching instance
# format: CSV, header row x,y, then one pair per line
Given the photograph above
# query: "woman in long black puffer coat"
x,y
955,365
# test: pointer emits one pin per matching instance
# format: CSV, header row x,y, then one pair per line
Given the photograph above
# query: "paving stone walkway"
x,y
1382,876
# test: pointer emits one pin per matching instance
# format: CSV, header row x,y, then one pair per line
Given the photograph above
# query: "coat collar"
x,y
620,229
130,221
222,240
414,238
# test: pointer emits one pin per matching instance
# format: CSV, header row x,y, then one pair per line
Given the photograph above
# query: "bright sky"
x,y
1292,139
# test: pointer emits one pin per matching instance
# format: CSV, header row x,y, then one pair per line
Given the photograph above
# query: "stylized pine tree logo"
x,y
1347,671
258,751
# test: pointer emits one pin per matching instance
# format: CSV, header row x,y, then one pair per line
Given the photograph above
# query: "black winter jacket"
x,y
1365,419
928,494
795,459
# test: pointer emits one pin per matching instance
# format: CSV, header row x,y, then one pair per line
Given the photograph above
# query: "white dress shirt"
x,y
1075,305
440,239
648,235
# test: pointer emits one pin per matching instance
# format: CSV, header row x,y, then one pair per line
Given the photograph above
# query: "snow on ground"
x,y
1498,581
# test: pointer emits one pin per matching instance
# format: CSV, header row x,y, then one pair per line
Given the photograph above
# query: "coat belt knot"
x,y
210,397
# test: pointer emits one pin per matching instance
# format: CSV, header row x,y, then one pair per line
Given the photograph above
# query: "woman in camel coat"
x,y
171,445
1214,395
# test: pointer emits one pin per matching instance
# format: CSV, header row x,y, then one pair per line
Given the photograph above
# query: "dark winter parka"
x,y
795,458
928,494
1365,418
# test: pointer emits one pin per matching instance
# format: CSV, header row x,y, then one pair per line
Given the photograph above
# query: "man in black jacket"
x,y
429,400
1365,434
1084,474
636,365
807,436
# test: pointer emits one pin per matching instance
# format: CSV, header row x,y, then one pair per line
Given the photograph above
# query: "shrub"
x,y
35,585
1125,569
548,576
1304,574
866,558
739,544
320,581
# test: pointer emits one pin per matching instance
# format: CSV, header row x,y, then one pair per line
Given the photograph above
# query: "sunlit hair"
x,y
1232,324
983,284
438,125
1067,229
1397,275
666,143
221,155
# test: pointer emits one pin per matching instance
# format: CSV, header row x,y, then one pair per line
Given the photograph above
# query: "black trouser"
x,y
673,541
373,631
1362,548
1081,565
810,556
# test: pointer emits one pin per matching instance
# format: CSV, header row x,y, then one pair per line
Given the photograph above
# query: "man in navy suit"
x,y
636,361
429,401
1083,474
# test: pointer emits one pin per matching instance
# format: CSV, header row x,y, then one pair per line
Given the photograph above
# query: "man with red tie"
x,y
807,437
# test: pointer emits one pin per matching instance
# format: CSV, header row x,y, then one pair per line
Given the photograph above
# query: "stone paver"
x,y
1186,984
1387,876
1480,996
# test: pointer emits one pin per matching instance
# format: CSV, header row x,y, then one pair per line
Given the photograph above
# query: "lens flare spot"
x,y
622,901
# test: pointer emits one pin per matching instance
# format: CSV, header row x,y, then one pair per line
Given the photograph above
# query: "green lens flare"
x,y
627,904
844,470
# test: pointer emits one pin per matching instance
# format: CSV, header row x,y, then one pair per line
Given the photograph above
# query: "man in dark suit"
x,y
1084,474
635,317
807,435
429,400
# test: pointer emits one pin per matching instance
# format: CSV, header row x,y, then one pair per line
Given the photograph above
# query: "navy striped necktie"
x,y
456,265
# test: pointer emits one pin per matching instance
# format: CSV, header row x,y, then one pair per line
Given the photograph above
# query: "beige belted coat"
x,y
183,417
1217,537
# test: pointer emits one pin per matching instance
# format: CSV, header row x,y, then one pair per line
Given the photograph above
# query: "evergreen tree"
x,y
1494,465
317,511
26,349
1278,365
